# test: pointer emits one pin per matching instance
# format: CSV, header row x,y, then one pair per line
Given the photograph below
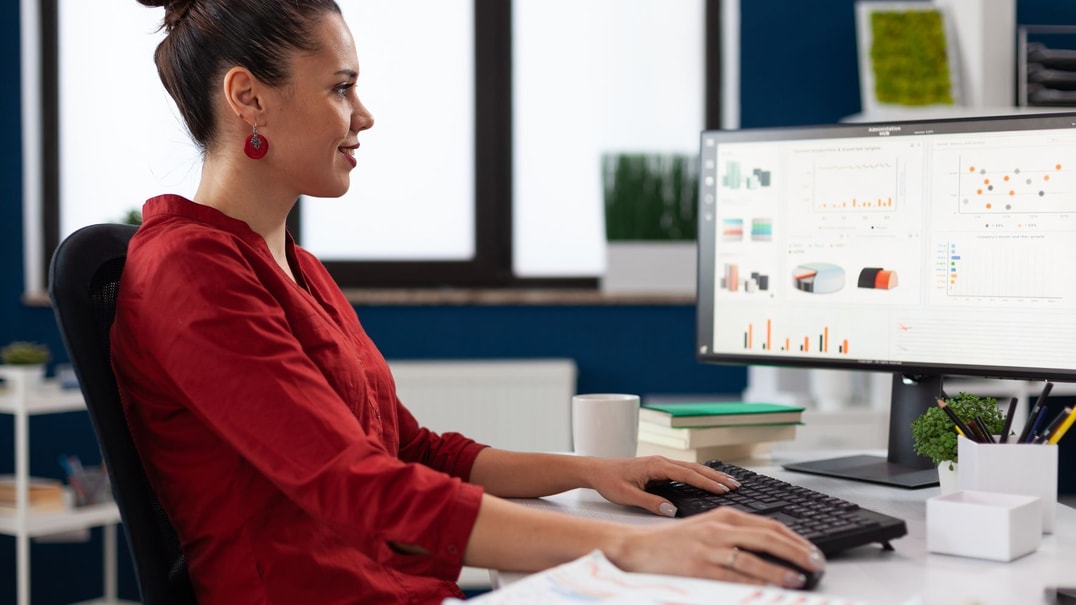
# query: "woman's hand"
x,y
623,480
718,545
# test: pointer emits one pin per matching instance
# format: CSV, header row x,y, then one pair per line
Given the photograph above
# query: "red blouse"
x,y
270,428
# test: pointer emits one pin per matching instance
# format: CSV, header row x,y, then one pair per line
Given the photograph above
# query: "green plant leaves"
x,y
650,196
934,435
909,58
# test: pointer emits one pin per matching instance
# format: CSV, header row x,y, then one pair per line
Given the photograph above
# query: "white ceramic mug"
x,y
605,425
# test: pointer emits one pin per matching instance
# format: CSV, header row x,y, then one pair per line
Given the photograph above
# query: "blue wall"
x,y
799,59
799,67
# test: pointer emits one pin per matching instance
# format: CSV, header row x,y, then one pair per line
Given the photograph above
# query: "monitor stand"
x,y
902,467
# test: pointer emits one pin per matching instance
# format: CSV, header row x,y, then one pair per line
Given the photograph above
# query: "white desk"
x,y
905,576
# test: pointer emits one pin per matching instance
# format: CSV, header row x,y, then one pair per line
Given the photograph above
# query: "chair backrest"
x,y
84,280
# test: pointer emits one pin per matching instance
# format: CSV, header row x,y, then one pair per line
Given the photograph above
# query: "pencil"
x,y
1005,430
1060,432
1025,434
963,428
977,432
985,430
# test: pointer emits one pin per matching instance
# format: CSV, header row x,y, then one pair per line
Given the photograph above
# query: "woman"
x,y
267,419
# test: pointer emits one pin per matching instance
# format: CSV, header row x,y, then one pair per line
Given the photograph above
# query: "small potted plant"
x,y
934,434
21,353
650,201
27,358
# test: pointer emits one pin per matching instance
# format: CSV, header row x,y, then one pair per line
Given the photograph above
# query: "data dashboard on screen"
x,y
944,246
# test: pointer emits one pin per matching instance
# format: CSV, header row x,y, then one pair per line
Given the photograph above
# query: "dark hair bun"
x,y
173,10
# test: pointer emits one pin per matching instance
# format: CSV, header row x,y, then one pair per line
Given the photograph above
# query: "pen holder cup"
x,y
1011,468
91,486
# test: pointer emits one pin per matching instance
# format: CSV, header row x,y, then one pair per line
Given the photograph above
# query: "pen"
x,y
960,426
65,464
1025,434
1008,420
1033,427
1060,432
1045,433
985,430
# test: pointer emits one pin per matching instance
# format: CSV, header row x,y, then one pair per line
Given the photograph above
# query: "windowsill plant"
x,y
650,202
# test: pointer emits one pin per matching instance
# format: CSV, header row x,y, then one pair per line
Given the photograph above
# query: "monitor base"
x,y
871,469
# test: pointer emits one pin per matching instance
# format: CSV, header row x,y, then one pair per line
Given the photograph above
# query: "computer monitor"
x,y
925,249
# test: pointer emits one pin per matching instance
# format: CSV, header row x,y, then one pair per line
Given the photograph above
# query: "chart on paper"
x,y
593,579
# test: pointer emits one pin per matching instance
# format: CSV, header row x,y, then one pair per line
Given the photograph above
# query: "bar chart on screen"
x,y
762,336
1006,266
843,186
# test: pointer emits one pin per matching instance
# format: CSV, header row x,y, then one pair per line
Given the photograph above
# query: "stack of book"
x,y
45,495
730,430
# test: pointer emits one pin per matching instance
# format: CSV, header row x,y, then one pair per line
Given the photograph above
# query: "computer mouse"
x,y
813,577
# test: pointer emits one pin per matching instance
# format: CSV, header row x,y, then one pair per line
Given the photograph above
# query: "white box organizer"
x,y
1011,468
984,525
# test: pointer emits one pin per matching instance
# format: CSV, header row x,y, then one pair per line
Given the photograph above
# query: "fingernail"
x,y
724,487
732,480
794,580
817,560
667,509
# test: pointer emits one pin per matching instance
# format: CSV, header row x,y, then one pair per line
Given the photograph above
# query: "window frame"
x,y
492,265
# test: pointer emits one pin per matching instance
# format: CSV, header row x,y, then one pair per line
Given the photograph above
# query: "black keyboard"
x,y
831,524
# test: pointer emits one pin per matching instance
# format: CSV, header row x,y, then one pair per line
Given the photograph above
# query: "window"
x,y
412,196
591,78
468,99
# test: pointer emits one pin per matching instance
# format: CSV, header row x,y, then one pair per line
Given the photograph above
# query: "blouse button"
x,y
452,550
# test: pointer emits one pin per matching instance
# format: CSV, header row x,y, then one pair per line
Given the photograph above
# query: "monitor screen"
x,y
928,248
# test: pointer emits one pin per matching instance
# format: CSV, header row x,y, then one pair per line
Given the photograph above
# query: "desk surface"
x,y
905,576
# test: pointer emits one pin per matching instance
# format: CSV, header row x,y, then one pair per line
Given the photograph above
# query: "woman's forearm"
x,y
550,538
525,475
720,544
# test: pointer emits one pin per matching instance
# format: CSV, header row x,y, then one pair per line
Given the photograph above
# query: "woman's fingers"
x,y
720,544
694,474
751,534
769,572
723,545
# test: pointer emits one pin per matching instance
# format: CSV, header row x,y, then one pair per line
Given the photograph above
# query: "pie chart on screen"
x,y
818,278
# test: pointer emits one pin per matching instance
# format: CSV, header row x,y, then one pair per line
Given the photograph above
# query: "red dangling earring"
x,y
256,146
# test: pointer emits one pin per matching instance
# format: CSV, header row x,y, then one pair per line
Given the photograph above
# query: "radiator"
x,y
521,405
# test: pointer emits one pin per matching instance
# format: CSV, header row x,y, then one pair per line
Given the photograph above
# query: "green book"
x,y
723,413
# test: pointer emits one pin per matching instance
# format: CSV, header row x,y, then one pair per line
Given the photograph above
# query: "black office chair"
x,y
84,280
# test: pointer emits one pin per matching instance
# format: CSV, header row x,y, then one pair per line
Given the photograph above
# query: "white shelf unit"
x,y
24,394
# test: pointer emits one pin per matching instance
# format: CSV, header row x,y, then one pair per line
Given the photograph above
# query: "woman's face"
x,y
314,120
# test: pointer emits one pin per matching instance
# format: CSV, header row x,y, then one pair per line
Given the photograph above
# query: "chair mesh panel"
x,y
104,289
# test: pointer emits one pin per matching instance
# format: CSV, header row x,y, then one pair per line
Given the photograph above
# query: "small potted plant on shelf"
x,y
21,353
26,357
934,434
